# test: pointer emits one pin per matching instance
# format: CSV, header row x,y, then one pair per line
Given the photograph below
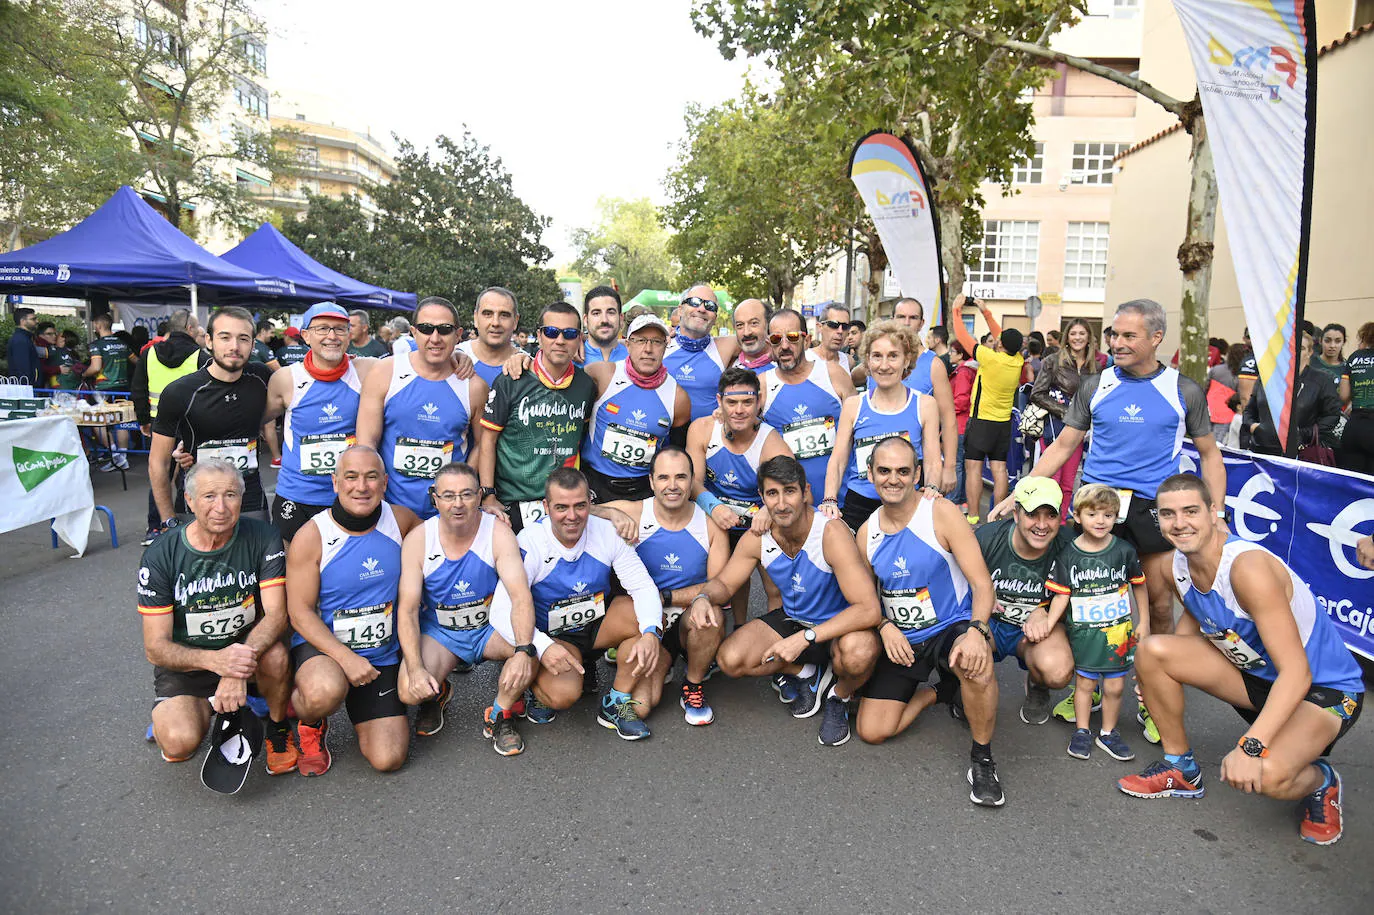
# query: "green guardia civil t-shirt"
x,y
1018,583
540,426
214,597
114,364
1099,616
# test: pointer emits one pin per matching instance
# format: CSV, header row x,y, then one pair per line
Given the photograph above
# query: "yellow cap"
x,y
1033,492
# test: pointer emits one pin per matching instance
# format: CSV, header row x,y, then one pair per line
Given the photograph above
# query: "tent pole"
x,y
195,304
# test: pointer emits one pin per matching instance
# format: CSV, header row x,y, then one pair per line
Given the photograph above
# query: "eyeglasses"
x,y
568,333
649,342
792,337
330,330
697,301
448,498
836,325
443,329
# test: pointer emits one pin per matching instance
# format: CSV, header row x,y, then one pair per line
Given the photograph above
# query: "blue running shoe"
x,y
834,722
258,705
811,692
622,718
1115,746
1081,744
535,711
787,687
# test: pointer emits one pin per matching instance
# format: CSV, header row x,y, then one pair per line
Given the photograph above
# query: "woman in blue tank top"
x,y
889,408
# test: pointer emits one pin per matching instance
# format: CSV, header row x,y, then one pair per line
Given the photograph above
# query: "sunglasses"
x,y
698,302
792,336
837,325
442,329
568,333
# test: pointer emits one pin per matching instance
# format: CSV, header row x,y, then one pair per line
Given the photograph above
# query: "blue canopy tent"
x,y
269,252
127,248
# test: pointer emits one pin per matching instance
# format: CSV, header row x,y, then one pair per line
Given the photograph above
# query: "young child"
x,y
1093,580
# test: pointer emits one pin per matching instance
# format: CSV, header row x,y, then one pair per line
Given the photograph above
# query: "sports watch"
x,y
983,629
1253,747
655,631
809,635
527,650
488,491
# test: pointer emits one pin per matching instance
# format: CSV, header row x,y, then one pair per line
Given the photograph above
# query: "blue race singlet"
x,y
734,478
810,593
806,413
871,426
674,559
1138,425
629,424
455,608
922,589
320,423
485,370
918,379
424,427
698,373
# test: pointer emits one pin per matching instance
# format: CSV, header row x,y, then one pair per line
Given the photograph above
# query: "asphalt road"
x,y
750,813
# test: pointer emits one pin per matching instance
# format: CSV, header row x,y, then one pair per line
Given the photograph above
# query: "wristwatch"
x,y
983,629
488,491
170,523
527,650
655,631
1253,747
809,635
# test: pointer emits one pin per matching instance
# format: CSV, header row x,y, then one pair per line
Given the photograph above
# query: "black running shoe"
x,y
987,788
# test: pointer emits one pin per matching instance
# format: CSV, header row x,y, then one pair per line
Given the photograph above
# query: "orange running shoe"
x,y
1321,810
282,751
315,758
1160,779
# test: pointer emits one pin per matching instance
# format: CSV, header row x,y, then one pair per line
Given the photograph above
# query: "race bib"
x,y
241,452
1101,608
1230,644
364,627
222,622
471,615
910,608
532,512
1015,612
811,437
420,458
1125,495
320,453
628,447
576,612
863,448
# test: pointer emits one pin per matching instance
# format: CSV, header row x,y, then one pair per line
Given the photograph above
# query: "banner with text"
x,y
1256,73
894,188
1311,517
150,314
44,476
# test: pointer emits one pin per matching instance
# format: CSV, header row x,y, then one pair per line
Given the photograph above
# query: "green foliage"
x,y
61,322
629,245
62,152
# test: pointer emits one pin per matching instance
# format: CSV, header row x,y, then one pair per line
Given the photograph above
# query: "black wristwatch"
x,y
983,629
528,650
170,523
488,491
809,635
665,597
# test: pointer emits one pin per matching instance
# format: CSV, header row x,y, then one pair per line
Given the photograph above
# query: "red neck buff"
x,y
753,362
542,372
320,374
646,381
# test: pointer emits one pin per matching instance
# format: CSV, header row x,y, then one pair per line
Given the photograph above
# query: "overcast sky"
x,y
580,99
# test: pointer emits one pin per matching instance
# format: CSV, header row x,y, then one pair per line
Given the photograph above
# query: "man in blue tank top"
x,y
494,316
821,640
601,312
341,579
696,359
319,397
937,598
464,598
1253,636
682,549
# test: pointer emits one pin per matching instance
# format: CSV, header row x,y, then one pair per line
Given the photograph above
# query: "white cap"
x,y
644,321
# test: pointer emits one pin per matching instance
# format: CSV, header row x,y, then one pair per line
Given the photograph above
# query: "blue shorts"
x,y
468,645
1101,674
1006,638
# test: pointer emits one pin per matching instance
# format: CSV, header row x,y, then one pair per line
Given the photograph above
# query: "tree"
x,y
337,233
629,245
865,64
62,152
181,63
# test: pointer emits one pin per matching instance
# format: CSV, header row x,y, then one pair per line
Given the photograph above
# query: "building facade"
x,y
334,161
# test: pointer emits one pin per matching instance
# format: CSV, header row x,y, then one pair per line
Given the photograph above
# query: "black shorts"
x,y
584,640
607,488
1141,527
1346,706
290,516
675,638
893,681
369,702
987,438
168,684
857,509
784,625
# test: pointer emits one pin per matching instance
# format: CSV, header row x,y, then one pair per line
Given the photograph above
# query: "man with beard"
x,y
214,412
751,333
602,308
696,359
494,317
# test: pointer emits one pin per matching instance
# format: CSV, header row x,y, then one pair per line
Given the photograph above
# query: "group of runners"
x,y
458,504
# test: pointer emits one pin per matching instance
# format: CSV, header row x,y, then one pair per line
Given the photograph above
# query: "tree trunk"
x,y
952,256
1195,254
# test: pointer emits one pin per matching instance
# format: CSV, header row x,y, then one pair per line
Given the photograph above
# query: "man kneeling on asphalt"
x,y
214,611
342,575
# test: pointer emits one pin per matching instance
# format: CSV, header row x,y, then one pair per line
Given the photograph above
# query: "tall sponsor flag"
x,y
44,477
895,190
1256,73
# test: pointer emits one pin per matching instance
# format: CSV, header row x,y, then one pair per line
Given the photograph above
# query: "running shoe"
x,y
972,519
811,692
462,667
121,462
1081,744
1147,724
315,758
1321,810
622,718
987,787
787,687
694,705
536,712
834,722
429,718
106,466
258,706
1161,779
283,755
711,671
150,535
1064,710
1035,708
1116,747
276,462
589,676
505,739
